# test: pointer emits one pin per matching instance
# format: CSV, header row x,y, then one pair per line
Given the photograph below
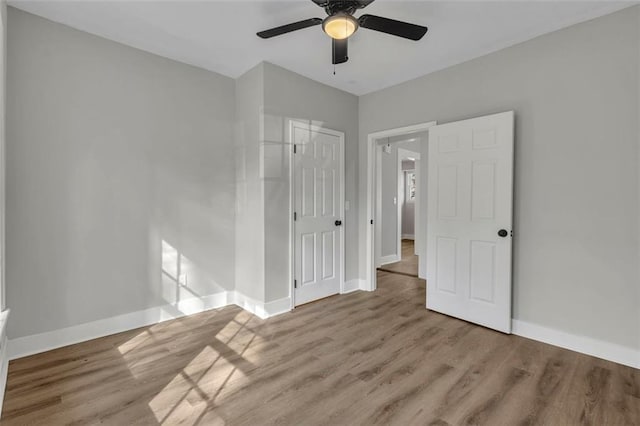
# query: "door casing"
x,y
292,252
370,202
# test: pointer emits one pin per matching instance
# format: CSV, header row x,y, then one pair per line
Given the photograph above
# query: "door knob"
x,y
338,223
503,233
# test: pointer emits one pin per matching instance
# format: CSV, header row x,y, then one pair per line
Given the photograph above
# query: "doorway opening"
x,y
398,205
467,186
394,194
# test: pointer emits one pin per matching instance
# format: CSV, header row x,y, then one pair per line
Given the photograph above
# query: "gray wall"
x,y
117,165
290,95
408,206
388,239
112,151
267,98
3,109
575,94
250,221
389,209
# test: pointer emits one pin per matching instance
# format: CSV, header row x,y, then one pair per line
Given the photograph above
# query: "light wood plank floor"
x,y
408,265
362,358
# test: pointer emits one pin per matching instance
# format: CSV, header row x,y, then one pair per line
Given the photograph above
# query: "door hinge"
x,y
295,148
295,283
372,221
295,216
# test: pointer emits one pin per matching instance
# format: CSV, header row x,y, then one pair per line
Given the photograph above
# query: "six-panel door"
x,y
318,208
470,197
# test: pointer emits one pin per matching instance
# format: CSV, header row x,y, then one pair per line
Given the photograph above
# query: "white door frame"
x,y
370,260
292,224
417,226
397,256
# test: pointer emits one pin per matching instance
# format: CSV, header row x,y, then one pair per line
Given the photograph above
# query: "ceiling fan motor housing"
x,y
349,7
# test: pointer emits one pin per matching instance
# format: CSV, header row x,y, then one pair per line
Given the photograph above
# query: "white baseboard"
x,y
408,237
4,355
29,345
262,309
250,305
586,345
353,285
277,307
384,260
366,285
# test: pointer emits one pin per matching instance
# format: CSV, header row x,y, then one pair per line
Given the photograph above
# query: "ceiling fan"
x,y
341,24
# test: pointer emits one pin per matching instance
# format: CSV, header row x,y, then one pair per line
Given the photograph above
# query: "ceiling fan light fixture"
x,y
340,26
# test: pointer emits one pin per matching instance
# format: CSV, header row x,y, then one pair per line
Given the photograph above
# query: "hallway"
x,y
409,263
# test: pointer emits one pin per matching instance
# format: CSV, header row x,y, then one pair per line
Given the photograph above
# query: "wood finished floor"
x,y
408,264
362,358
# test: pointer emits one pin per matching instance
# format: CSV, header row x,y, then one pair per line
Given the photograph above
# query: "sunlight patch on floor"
x,y
136,342
218,370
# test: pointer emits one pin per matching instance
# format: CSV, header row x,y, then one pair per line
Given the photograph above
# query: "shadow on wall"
x,y
194,222
182,280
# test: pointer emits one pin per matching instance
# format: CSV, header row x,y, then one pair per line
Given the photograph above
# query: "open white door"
x,y
318,211
469,208
417,229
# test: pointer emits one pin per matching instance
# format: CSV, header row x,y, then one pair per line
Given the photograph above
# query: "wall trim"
x,y
392,258
408,237
586,345
261,309
42,342
354,285
4,369
249,304
4,355
37,343
277,307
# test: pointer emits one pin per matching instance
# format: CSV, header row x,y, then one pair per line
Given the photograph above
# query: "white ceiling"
x,y
220,35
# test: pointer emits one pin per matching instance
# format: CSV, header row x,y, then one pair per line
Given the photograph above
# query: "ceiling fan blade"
x,y
393,27
289,28
339,51
364,3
